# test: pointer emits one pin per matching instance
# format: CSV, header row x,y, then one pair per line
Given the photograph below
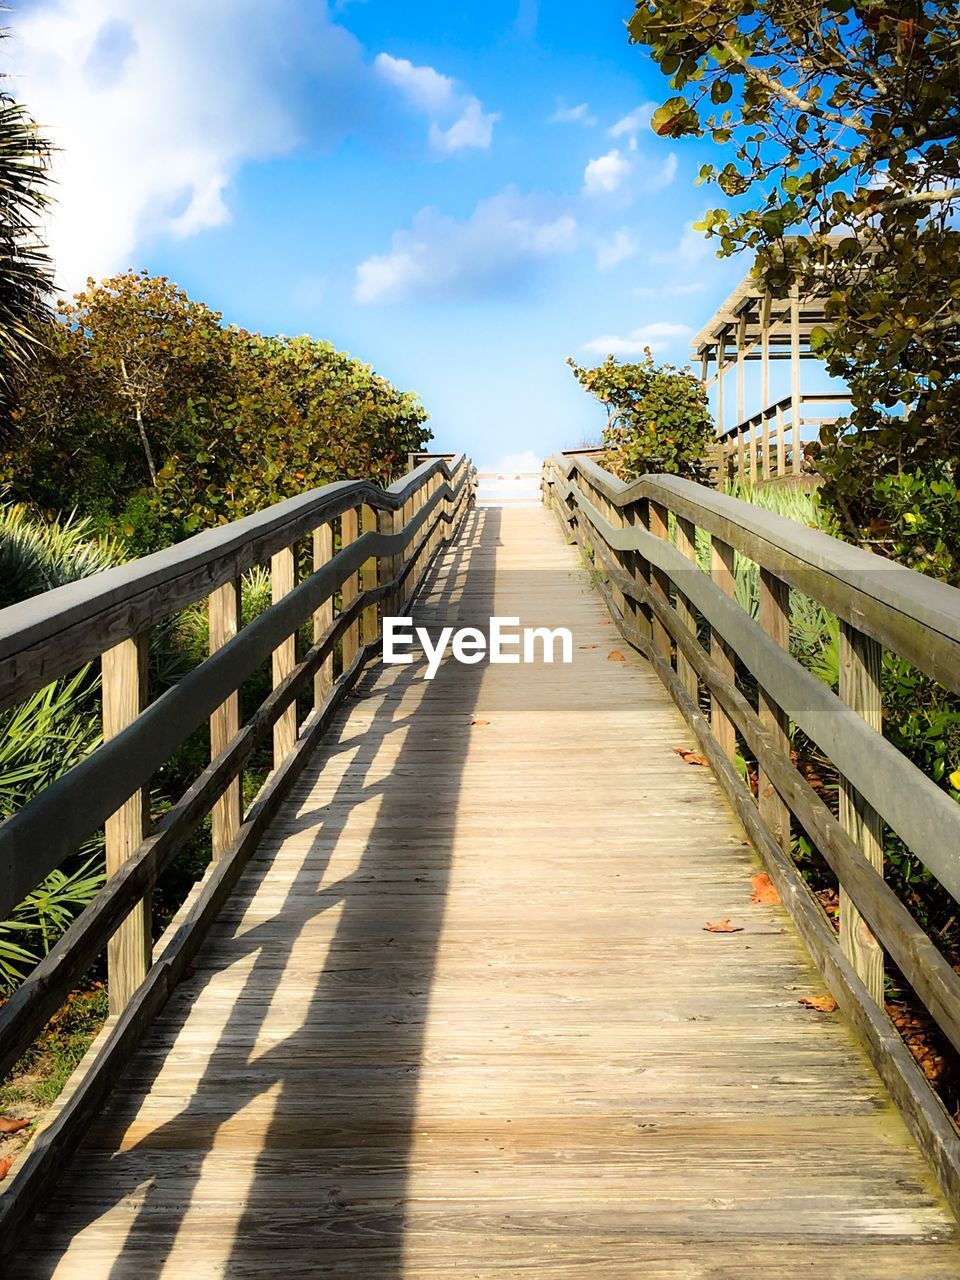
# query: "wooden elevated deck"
x,y
461,1016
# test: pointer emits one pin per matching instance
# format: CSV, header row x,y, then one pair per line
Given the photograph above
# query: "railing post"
x,y
322,619
282,581
721,570
409,507
765,469
369,621
223,619
741,459
389,523
687,545
639,569
349,529
861,668
753,450
781,443
658,525
130,950
775,621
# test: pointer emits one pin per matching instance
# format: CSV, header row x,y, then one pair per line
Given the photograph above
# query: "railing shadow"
x,y
296,1143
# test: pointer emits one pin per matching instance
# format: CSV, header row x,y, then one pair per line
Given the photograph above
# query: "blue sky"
x,y
462,196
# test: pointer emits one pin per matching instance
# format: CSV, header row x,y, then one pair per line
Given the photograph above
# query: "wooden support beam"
x,y
795,405
322,554
861,671
721,570
349,532
223,615
721,348
282,582
741,361
781,443
774,618
687,544
129,951
369,620
660,580
765,305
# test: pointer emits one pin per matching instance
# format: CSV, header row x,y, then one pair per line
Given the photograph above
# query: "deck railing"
x,y
387,539
769,445
642,538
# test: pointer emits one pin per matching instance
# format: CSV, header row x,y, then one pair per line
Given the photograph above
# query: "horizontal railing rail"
x,y
682,615
388,537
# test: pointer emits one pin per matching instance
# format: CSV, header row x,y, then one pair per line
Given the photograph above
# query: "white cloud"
x,y
620,247
152,124
438,97
491,253
605,174
658,337
638,119
426,89
692,249
573,115
665,174
473,129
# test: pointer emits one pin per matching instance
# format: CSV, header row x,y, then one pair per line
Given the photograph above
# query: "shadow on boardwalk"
x,y
312,1177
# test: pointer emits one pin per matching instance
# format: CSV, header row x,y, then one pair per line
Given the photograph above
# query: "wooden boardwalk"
x,y
462,1018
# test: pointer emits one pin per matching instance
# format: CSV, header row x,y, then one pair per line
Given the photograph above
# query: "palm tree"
x,y
26,272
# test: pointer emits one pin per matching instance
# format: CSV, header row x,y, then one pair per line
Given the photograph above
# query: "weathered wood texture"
x,y
449,1025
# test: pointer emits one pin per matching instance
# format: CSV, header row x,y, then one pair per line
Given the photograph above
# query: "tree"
x,y
657,416
147,414
25,269
841,123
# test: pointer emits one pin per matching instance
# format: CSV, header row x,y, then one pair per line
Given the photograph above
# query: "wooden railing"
x,y
769,445
642,539
387,539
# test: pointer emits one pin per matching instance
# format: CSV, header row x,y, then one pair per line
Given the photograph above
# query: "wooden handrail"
x,y
404,526
639,535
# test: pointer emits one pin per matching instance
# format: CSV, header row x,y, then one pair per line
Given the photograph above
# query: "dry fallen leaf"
x,y
12,1126
723,926
615,656
588,646
690,757
479,721
5,1164
763,890
822,1004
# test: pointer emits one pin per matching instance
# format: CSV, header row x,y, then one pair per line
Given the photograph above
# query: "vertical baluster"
x,y
129,951
388,566
223,616
775,620
781,443
323,617
721,569
639,569
659,580
765,446
349,530
741,458
369,624
409,507
282,579
687,545
861,662
754,470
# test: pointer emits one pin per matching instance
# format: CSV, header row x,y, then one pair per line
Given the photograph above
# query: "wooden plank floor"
x,y
462,1017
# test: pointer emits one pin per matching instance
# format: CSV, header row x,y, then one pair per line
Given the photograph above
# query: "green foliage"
x,y
39,1076
37,555
917,521
25,272
657,417
40,740
839,126
149,417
